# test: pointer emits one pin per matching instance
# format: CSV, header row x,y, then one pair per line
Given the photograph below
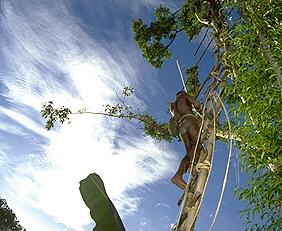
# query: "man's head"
x,y
178,94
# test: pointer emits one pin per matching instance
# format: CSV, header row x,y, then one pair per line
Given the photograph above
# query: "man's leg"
x,y
177,178
184,165
193,131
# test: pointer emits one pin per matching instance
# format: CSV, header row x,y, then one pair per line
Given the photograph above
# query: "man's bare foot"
x,y
179,182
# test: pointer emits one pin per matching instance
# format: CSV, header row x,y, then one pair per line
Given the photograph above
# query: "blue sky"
x,y
79,53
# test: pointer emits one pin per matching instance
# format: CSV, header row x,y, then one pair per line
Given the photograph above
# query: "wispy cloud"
x,y
162,205
48,56
24,121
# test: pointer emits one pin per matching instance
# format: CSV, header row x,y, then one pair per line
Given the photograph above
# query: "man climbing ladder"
x,y
181,111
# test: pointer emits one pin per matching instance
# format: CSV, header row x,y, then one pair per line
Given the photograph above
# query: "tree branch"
x,y
176,12
171,41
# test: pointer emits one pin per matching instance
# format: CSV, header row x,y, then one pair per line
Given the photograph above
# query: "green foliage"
x,y
127,91
8,219
151,39
155,39
192,84
188,19
54,115
173,127
153,128
262,193
255,100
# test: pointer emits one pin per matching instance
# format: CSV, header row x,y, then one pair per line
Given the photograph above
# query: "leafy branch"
x,y
151,126
53,115
192,83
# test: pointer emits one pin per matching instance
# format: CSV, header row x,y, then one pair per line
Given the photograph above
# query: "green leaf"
x,y
102,210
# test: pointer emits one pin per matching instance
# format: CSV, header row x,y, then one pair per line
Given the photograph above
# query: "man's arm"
x,y
194,102
172,108
174,112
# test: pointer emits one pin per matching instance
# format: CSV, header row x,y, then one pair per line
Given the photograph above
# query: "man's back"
x,y
183,105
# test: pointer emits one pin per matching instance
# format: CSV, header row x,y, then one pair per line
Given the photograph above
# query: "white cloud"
x,y
23,121
154,3
11,128
3,157
162,205
45,61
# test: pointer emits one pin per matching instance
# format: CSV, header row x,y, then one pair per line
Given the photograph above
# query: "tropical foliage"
x,y
102,210
255,100
192,83
8,219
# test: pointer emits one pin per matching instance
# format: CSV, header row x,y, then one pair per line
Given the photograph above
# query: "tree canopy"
x,y
248,42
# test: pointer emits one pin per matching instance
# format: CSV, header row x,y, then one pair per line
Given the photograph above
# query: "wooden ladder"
x,y
195,189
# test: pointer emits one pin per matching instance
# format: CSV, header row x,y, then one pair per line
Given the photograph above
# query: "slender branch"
x,y
110,115
129,117
176,12
174,36
177,31
227,135
171,41
204,52
122,101
201,41
203,84
201,20
216,66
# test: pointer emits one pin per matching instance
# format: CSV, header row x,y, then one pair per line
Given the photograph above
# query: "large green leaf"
x,y
102,210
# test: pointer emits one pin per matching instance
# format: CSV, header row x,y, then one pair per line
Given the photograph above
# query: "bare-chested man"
x,y
181,110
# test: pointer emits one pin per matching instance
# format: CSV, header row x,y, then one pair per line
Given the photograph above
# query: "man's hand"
x,y
194,102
